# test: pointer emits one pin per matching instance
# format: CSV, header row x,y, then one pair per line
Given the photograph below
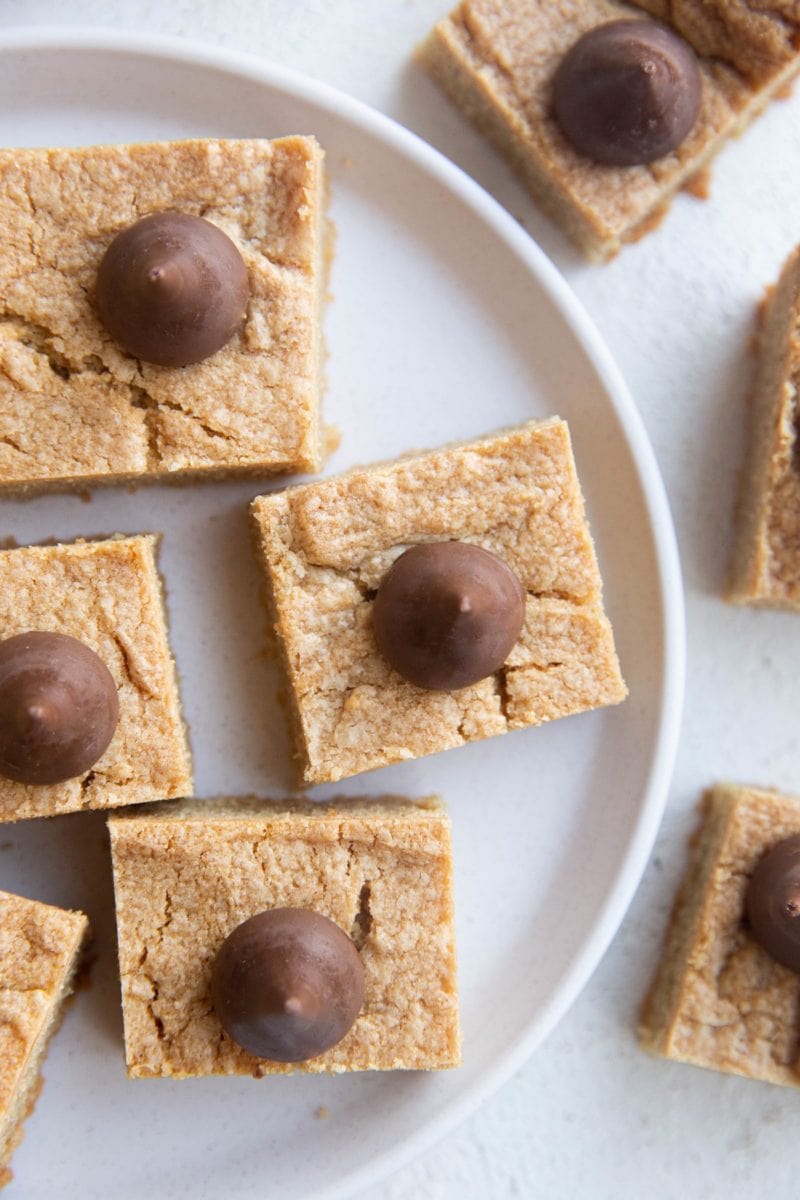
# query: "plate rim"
x,y
82,38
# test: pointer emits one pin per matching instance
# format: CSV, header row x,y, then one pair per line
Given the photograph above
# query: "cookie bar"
x,y
74,408
496,59
186,874
107,594
719,1000
39,950
326,546
766,564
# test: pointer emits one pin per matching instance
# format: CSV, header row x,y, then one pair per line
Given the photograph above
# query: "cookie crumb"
x,y
331,440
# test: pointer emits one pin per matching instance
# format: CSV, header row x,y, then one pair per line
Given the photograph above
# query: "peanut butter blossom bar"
x,y
159,310
766,563
605,130
258,938
39,951
89,708
394,643
727,991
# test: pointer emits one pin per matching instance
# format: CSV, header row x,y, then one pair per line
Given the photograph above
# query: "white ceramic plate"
x,y
447,322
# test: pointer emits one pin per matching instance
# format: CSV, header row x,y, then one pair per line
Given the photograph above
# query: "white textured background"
x,y
590,1115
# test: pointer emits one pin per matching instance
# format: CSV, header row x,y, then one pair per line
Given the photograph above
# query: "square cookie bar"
x,y
718,999
74,408
766,563
186,874
106,594
39,951
496,59
326,546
